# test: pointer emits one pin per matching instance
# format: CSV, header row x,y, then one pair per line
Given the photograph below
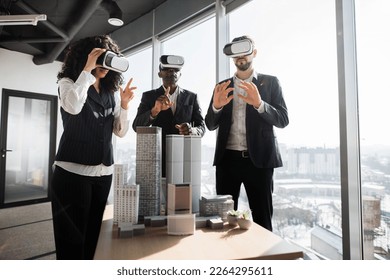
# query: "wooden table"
x,y
223,244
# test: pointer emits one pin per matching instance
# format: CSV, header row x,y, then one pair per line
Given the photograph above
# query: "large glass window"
x,y
296,41
140,70
373,57
197,46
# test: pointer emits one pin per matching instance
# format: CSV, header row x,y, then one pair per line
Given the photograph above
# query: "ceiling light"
x,y
116,19
21,19
114,11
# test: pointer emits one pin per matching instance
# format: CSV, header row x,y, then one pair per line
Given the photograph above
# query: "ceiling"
x,y
67,21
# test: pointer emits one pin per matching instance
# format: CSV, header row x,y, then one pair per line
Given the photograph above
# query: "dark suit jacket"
x,y
187,111
261,140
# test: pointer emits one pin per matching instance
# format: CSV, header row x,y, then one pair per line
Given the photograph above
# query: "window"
x,y
296,42
140,70
197,46
373,44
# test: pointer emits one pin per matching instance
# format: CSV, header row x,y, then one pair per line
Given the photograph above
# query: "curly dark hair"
x,y
76,57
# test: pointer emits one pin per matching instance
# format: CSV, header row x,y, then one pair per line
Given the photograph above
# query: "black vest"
x,y
87,136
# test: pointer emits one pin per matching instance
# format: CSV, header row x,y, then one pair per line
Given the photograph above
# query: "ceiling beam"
x,y
46,23
87,9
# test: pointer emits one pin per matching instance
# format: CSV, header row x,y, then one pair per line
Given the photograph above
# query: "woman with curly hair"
x,y
92,110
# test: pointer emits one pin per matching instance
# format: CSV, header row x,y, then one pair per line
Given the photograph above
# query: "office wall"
x,y
18,72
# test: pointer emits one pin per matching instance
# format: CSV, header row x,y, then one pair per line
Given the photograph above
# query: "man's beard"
x,y
243,67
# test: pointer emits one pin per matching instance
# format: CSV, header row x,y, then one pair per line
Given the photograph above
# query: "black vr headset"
x,y
171,61
238,48
112,61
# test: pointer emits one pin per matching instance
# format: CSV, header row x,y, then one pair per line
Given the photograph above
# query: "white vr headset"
x,y
112,61
171,61
238,48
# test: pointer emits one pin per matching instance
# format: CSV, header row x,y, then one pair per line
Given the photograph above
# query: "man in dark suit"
x,y
174,109
244,109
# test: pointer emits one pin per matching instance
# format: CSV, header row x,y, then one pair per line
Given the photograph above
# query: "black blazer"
x,y
260,137
187,111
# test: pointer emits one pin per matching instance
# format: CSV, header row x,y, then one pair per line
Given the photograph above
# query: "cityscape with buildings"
x,y
307,201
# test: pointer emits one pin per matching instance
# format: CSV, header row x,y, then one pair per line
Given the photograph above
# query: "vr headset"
x,y
238,48
112,61
171,61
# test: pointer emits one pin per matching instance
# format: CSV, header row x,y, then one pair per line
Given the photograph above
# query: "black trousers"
x,y
78,203
236,169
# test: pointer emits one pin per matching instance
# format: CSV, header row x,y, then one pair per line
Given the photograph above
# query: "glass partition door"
x,y
27,146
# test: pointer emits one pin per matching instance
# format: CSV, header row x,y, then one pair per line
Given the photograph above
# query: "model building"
x,y
182,224
216,205
148,170
184,164
126,197
192,167
174,158
179,199
180,220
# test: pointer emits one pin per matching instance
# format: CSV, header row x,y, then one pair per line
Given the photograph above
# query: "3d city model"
x,y
174,201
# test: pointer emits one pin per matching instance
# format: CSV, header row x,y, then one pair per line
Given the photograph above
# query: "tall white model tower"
x,y
174,158
183,161
192,167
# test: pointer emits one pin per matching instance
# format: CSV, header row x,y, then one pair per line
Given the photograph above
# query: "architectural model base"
x,y
183,224
130,230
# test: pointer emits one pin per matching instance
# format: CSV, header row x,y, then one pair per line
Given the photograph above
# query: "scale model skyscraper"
x,y
184,164
126,197
148,169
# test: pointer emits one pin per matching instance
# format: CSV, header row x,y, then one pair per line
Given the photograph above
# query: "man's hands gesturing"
x,y
221,95
162,103
252,96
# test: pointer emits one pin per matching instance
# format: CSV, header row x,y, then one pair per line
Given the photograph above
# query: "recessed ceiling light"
x,y
115,21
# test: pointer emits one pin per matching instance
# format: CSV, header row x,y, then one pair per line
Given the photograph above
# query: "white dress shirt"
x,y
72,98
173,98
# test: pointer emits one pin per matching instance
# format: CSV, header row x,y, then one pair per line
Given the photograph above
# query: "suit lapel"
x,y
258,80
180,100
229,106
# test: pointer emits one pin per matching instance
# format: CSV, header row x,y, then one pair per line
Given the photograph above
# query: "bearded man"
x,y
245,109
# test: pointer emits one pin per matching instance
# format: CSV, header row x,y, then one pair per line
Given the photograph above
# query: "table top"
x,y
206,243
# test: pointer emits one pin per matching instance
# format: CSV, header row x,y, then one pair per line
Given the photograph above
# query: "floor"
x,y
23,192
26,233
